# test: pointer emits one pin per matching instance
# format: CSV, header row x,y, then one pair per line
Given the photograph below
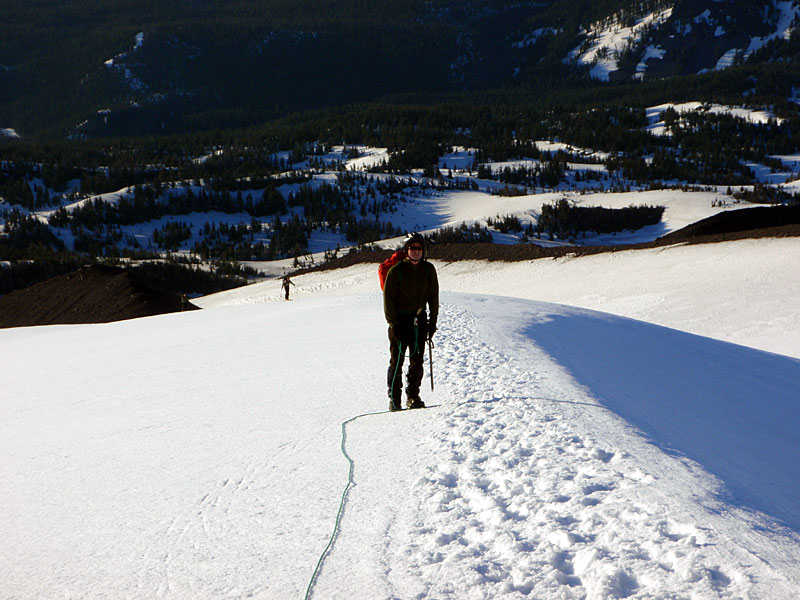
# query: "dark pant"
x,y
409,338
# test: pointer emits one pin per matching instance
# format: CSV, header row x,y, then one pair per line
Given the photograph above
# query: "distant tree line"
x,y
463,234
20,274
151,202
26,237
765,194
564,220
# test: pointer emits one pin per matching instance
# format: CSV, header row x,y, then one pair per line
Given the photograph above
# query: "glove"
x,y
431,330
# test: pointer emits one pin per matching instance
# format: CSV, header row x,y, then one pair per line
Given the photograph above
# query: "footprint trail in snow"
x,y
521,485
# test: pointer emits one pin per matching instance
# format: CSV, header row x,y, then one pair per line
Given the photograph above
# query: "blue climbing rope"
x,y
339,514
350,482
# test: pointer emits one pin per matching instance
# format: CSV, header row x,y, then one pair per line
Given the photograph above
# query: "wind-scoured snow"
x,y
566,453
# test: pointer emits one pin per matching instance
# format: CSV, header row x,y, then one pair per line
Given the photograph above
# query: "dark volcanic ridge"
x,y
93,294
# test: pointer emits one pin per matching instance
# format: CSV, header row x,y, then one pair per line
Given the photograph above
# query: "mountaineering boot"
x,y
414,403
394,406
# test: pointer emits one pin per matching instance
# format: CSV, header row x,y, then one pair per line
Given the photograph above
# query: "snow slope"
x,y
742,292
567,453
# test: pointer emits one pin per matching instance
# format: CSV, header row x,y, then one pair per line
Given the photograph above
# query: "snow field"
x,y
175,456
742,292
566,453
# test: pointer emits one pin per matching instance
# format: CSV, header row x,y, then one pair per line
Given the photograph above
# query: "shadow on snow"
x,y
732,409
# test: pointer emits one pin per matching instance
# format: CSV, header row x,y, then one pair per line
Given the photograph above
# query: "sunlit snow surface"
x,y
567,453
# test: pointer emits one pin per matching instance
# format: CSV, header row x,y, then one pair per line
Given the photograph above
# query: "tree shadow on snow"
x,y
732,409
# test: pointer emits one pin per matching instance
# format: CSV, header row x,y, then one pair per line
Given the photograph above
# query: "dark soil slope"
x,y
761,221
95,294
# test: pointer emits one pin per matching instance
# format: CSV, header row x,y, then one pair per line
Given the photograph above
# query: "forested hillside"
x,y
120,68
266,191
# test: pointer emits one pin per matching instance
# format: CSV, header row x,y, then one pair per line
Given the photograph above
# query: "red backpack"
x,y
383,268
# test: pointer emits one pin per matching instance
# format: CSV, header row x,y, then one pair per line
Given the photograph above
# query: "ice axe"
x,y
430,358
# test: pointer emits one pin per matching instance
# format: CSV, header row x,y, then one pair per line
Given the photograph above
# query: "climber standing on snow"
x,y
285,285
411,290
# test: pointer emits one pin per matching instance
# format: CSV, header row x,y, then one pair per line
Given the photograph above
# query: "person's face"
x,y
415,252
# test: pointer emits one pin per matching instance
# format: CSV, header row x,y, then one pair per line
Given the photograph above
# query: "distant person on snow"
x,y
411,288
286,283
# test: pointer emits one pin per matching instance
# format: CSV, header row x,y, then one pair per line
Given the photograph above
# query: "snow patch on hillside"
x,y
788,12
606,43
656,125
368,158
727,60
117,64
651,52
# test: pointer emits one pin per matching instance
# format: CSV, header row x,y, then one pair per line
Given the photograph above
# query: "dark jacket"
x,y
410,289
